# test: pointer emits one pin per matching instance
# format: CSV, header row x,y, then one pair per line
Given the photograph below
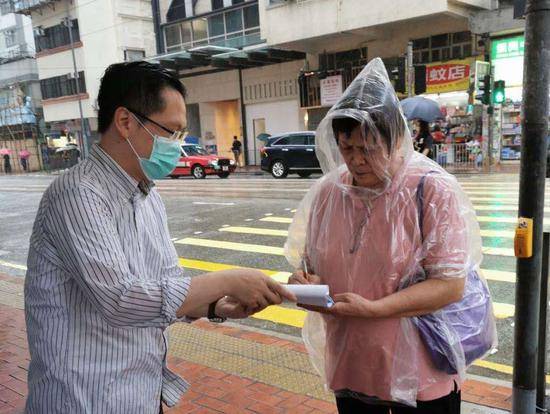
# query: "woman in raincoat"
x,y
394,237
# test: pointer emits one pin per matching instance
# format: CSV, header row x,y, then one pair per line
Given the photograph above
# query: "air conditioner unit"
x,y
71,75
39,31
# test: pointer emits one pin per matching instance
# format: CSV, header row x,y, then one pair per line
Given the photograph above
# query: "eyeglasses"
x,y
174,135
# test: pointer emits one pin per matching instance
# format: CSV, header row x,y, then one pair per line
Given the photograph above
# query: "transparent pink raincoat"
x,y
415,224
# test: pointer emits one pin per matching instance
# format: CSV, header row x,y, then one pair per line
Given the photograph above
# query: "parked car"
x,y
290,153
198,163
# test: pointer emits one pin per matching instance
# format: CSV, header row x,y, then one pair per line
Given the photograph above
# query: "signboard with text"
x,y
331,90
507,48
453,75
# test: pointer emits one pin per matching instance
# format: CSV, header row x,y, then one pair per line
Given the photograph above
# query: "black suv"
x,y
290,153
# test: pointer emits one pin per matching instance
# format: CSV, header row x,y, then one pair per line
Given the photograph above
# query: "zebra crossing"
x,y
495,202
223,224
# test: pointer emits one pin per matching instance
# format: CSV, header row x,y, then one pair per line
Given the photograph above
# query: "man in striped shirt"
x,y
103,279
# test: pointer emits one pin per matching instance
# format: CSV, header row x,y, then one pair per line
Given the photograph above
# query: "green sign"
x,y
507,48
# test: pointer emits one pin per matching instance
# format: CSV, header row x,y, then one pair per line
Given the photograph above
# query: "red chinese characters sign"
x,y
453,75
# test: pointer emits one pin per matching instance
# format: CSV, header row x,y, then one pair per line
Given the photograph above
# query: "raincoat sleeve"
x,y
444,229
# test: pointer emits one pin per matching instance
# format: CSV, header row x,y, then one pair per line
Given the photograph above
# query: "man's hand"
x,y
228,307
255,291
299,277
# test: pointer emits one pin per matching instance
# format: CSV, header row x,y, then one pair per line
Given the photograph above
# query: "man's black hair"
x,y
133,85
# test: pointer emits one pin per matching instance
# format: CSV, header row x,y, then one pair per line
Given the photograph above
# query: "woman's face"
x,y
367,162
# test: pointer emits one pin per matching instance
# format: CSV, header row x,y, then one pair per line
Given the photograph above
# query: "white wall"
x,y
220,86
280,117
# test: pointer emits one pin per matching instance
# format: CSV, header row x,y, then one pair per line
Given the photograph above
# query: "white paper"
x,y
316,295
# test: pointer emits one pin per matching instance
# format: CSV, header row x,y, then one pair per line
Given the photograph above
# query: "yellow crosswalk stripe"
x,y
486,192
499,275
498,251
282,315
284,233
511,200
214,267
273,219
255,230
13,265
503,310
494,366
505,234
495,207
497,219
489,274
240,247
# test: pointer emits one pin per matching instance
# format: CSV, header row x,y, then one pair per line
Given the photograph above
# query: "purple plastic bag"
x,y
461,332
468,322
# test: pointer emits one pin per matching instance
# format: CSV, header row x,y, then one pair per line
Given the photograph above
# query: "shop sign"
x,y
331,90
450,76
507,48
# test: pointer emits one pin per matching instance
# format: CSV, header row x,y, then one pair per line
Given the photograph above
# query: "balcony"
x,y
15,53
28,6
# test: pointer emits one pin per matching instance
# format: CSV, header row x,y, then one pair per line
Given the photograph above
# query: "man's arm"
x,y
84,233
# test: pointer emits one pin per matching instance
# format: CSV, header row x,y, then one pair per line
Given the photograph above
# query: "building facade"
x,y
271,66
20,97
75,42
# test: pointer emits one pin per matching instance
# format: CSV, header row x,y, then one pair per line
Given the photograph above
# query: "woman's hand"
x,y
348,305
299,277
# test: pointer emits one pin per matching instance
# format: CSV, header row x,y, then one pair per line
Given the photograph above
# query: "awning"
x,y
225,57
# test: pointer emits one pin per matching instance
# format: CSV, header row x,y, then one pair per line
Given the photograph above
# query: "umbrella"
x,y
263,137
24,154
421,108
69,147
5,151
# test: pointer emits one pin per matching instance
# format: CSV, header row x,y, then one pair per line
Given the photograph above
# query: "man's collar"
x,y
125,185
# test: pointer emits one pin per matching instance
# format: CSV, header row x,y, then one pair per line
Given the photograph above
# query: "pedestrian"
x,y
438,136
24,158
424,142
103,280
396,240
7,164
236,148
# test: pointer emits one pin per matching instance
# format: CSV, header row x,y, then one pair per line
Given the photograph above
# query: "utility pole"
x,y
83,130
410,69
536,76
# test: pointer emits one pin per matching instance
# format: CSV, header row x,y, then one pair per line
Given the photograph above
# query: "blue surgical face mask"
x,y
163,159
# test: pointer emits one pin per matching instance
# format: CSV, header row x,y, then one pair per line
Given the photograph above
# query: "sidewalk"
x,y
231,370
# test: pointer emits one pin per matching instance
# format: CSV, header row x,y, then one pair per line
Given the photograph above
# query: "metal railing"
x,y
461,157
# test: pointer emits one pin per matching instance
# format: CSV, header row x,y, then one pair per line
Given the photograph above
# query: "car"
x,y
196,162
290,153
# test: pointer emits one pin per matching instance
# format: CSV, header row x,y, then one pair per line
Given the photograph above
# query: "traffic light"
x,y
419,79
483,89
499,94
398,74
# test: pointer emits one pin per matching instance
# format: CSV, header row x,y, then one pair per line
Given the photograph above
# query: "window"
x,y
282,141
9,36
186,32
217,4
238,28
234,21
311,140
298,140
173,35
216,26
59,86
132,55
442,47
176,11
199,29
57,36
251,17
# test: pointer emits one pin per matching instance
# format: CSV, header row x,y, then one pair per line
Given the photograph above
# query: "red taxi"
x,y
198,163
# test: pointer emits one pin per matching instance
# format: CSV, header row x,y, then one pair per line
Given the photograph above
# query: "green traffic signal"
x,y
499,95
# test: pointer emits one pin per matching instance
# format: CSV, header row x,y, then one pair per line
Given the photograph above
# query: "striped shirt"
x,y
103,283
